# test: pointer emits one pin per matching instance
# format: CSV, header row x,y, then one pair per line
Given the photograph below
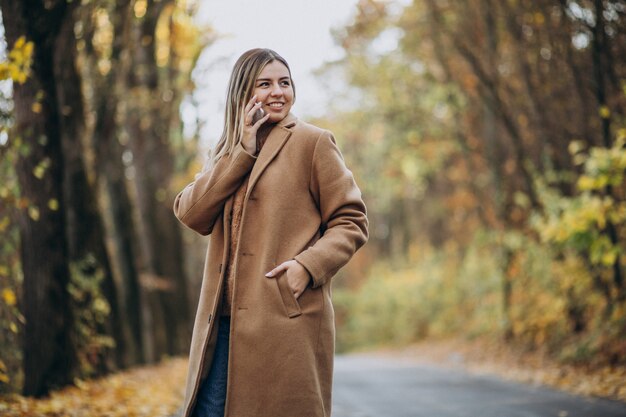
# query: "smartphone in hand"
x,y
258,115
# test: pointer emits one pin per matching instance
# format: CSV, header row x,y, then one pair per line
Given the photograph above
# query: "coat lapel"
x,y
273,144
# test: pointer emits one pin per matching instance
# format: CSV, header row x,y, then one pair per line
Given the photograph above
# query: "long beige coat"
x,y
302,203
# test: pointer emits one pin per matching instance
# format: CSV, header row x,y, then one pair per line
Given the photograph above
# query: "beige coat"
x,y
302,203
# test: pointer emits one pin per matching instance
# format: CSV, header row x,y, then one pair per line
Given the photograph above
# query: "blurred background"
x,y
488,138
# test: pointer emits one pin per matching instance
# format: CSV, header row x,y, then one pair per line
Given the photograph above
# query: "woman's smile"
x,y
275,107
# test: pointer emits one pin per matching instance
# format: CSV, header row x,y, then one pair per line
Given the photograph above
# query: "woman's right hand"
x,y
249,130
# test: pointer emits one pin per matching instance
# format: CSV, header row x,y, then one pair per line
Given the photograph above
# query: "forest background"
x,y
489,143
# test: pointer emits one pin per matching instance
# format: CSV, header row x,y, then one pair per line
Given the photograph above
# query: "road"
x,y
374,386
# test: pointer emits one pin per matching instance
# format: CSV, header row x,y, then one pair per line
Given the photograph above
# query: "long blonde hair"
x,y
240,88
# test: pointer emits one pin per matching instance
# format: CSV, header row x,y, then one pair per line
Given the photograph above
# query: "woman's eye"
x,y
263,84
286,83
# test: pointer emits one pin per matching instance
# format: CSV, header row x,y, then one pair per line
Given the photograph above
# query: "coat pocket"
x,y
290,302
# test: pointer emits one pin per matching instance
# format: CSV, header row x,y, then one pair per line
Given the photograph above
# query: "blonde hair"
x,y
240,88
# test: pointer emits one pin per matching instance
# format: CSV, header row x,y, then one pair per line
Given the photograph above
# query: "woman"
x,y
284,214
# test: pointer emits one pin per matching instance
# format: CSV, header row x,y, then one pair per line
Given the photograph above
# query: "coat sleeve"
x,y
199,204
342,210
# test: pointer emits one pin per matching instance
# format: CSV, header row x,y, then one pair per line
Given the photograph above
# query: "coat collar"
x,y
288,122
273,144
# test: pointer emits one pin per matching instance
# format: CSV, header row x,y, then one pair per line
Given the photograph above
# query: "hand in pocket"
x,y
298,277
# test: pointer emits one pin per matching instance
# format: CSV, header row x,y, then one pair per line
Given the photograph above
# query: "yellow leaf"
x,y
20,42
36,107
604,111
39,171
4,378
21,78
13,327
14,71
609,258
33,213
575,146
585,183
53,204
9,296
28,49
17,57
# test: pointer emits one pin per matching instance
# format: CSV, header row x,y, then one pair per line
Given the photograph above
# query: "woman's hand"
x,y
249,130
297,276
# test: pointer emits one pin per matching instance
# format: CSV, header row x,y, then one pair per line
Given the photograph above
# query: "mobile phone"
x,y
258,115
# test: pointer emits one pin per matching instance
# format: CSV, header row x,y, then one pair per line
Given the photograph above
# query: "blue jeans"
x,y
212,393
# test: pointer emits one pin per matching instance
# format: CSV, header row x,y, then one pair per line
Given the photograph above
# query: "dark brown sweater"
x,y
237,208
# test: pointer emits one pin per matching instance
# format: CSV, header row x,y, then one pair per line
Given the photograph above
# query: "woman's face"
x,y
273,88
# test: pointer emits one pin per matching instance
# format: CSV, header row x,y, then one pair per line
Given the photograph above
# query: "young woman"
x,y
284,214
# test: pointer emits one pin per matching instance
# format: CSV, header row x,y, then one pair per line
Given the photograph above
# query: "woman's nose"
x,y
276,90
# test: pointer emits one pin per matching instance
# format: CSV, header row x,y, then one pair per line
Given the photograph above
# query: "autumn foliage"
x,y
489,138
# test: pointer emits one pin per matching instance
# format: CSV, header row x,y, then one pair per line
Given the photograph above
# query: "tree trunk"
x,y
85,231
599,56
109,173
148,128
49,356
118,217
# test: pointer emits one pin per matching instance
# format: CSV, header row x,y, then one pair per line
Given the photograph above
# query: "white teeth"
x,y
276,105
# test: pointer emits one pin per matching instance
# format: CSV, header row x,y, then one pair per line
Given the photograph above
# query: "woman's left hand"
x,y
297,276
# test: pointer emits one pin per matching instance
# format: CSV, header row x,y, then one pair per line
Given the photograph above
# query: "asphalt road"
x,y
371,386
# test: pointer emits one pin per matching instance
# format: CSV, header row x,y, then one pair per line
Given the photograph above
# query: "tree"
x,y
105,74
49,355
465,114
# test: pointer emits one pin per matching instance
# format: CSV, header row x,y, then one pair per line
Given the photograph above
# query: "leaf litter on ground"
x,y
158,390
154,391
